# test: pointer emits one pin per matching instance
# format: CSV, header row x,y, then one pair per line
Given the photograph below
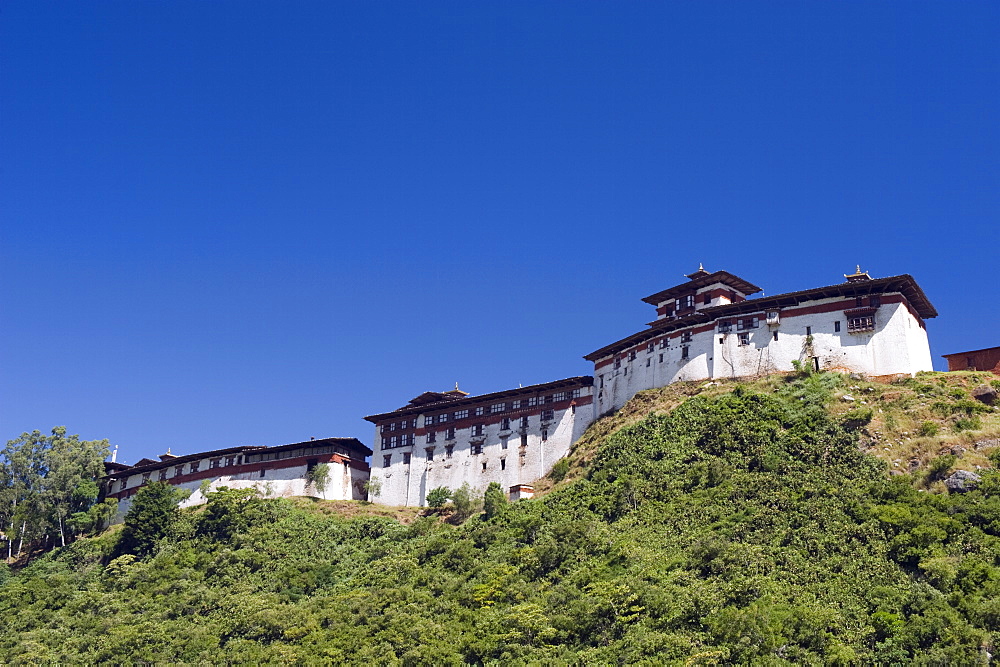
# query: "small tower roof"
x,y
702,278
858,275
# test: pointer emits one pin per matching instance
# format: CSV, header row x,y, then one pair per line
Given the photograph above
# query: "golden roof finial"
x,y
168,450
456,386
857,275
701,267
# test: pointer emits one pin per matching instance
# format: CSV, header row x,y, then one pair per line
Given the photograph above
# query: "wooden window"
x,y
707,299
505,424
836,326
476,449
631,355
477,430
163,475
386,460
442,418
524,421
194,466
480,411
744,338
450,434
686,337
178,471
649,347
533,400
547,415
875,301
406,458
449,450
428,421
503,464
431,436
545,434
576,393
461,414
863,323
725,326
684,352
430,453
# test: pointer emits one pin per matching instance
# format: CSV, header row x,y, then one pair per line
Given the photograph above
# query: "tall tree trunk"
x,y
20,542
62,535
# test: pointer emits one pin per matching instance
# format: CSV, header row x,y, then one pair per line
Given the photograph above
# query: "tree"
x,y
319,477
494,501
437,497
373,487
466,503
149,519
44,479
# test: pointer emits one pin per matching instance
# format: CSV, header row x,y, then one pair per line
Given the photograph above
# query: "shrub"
x,y
560,470
970,423
438,496
928,428
857,418
940,466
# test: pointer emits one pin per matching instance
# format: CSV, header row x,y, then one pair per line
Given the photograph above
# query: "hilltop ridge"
x,y
703,523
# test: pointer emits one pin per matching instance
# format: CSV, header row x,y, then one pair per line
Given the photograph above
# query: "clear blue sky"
x,y
231,223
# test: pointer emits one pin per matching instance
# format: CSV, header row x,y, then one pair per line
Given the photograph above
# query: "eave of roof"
x,y
904,284
179,460
582,380
959,354
723,277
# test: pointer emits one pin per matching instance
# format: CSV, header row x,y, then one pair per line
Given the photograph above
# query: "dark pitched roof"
x,y
905,284
701,279
145,465
959,354
415,409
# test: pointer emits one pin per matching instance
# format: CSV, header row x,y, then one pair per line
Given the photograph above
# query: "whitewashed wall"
x,y
898,345
408,484
344,483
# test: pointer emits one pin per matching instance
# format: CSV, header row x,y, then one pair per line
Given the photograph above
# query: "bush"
x,y
928,428
437,497
560,470
940,466
970,423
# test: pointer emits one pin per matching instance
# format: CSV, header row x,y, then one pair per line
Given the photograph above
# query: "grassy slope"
x,y
700,524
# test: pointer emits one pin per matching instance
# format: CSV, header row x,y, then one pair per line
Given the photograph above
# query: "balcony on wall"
x,y
860,320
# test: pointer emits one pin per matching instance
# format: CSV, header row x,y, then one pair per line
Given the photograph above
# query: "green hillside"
x,y
702,524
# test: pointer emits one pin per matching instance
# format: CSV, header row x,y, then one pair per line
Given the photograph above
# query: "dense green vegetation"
x,y
48,490
739,527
